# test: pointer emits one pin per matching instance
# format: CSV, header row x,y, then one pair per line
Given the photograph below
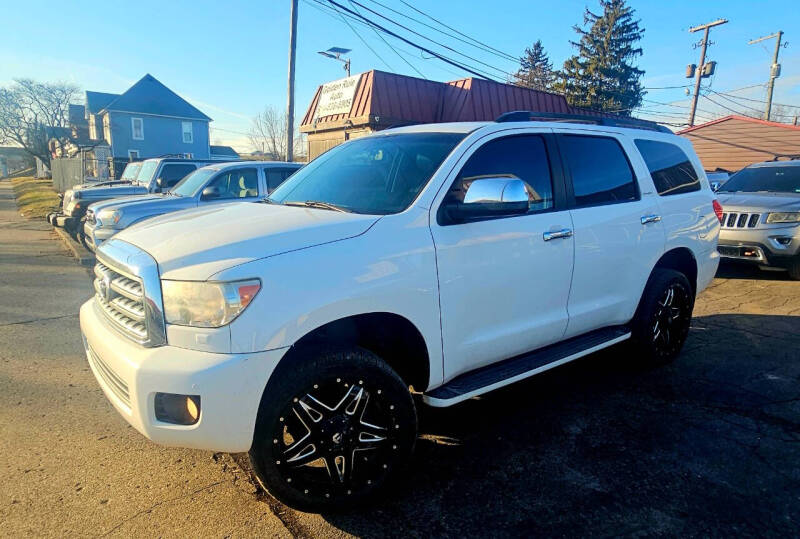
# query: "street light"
x,y
336,53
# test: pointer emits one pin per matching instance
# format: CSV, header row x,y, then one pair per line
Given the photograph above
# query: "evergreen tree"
x,y
601,76
535,69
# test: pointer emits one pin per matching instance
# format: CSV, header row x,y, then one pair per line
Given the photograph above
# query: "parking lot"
x,y
709,445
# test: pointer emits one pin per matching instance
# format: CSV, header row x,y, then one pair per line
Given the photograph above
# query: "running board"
x,y
507,372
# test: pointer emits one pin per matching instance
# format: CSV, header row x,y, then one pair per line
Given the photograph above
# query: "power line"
x,y
364,41
409,64
490,66
443,58
725,107
480,46
509,56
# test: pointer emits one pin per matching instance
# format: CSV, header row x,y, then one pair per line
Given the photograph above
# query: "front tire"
x,y
661,324
794,269
334,428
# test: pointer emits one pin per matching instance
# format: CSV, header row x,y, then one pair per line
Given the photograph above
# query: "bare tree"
x,y
268,134
784,113
31,113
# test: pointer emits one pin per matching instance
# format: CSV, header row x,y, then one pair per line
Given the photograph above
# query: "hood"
x,y
89,193
195,244
759,202
119,202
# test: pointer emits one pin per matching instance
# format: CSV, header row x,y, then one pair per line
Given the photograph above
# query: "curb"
x,y
82,256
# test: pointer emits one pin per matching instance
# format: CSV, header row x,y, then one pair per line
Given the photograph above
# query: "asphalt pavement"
x,y
709,445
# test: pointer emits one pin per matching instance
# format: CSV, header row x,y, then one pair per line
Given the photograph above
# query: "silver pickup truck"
x,y
212,184
141,178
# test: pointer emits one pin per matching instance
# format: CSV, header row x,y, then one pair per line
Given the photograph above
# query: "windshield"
x,y
775,179
374,175
192,183
146,173
130,172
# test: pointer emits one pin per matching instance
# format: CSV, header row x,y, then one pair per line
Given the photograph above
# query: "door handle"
x,y
650,219
556,234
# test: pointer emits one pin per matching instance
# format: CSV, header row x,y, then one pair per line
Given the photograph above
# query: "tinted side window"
x,y
276,176
600,170
172,174
237,183
523,156
671,170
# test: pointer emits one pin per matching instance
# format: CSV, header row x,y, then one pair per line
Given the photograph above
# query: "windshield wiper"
x,y
320,205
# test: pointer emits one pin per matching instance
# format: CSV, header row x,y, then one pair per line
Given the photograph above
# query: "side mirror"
x,y
212,191
491,197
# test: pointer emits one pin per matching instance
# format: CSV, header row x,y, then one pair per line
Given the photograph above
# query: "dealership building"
x,y
375,100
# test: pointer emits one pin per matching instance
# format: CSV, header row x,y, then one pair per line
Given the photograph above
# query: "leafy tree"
x,y
535,69
602,75
31,113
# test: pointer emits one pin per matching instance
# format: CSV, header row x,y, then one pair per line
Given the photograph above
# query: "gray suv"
x,y
761,216
213,184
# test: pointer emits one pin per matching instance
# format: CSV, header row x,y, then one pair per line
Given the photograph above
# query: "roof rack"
x,y
786,157
534,116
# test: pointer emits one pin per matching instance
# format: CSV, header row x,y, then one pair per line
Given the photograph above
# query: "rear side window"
x,y
172,174
670,168
601,173
523,156
276,176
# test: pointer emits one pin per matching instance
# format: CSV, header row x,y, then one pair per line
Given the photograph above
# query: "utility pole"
x,y
699,72
774,70
290,89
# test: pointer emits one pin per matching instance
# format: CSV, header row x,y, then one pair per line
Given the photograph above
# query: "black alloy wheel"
x,y
662,320
339,429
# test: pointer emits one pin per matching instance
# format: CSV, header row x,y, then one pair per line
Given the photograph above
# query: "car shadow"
x,y
730,269
609,446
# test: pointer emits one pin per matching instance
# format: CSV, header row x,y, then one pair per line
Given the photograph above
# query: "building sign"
x,y
337,97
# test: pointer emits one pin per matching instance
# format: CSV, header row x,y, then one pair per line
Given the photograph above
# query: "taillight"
x,y
718,209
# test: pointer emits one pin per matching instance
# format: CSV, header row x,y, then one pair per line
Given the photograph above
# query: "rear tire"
x,y
661,324
335,427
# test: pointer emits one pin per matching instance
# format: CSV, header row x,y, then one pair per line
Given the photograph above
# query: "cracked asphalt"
x,y
706,446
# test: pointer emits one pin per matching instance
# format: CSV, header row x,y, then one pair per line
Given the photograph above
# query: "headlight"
x,y
206,304
786,217
108,217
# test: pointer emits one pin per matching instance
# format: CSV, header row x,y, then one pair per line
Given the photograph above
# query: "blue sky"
x,y
229,58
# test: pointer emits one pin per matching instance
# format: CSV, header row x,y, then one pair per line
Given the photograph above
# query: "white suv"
x,y
451,258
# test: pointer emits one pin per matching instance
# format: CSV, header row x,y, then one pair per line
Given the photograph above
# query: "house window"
x,y
107,128
188,134
137,128
133,155
92,127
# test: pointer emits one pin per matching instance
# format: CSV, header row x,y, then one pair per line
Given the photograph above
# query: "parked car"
x,y
717,179
211,184
60,218
761,219
451,258
153,176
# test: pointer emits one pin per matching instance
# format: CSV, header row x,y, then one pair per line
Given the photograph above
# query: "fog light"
x,y
783,240
177,409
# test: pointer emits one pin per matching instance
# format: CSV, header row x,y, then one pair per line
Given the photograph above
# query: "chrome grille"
x,y
121,298
113,381
740,220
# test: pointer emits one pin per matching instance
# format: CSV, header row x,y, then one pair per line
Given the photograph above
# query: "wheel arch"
x,y
390,336
680,259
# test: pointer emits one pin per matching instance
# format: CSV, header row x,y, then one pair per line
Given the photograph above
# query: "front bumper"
x,y
95,236
776,246
230,385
